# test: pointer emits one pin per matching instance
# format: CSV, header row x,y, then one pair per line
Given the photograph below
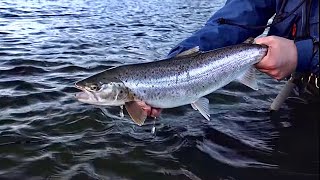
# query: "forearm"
x,y
214,35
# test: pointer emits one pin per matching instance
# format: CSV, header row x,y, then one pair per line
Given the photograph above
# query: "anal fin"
x,y
194,106
249,79
202,105
137,114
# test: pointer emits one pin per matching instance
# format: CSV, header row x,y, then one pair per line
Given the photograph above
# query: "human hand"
x,y
152,112
281,59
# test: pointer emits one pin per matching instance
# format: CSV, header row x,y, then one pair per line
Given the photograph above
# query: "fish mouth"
x,y
79,87
82,95
85,95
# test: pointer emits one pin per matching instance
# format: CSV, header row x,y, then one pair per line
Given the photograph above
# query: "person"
x,y
292,39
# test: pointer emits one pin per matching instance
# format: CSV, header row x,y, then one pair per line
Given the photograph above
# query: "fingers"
x,y
264,64
273,73
145,107
152,112
155,112
263,70
268,40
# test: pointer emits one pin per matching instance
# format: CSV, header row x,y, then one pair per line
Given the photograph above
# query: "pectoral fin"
x,y
249,79
202,105
137,114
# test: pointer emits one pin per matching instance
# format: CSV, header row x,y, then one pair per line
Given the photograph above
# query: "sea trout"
x,y
180,80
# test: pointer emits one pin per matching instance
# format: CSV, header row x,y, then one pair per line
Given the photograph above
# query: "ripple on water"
x,y
13,101
31,62
20,85
22,71
230,156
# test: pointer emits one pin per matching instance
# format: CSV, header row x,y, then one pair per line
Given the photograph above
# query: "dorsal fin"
x,y
189,51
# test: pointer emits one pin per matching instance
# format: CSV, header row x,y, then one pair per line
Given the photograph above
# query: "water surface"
x,y
45,46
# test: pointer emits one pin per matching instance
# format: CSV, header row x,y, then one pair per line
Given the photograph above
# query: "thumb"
x,y
264,40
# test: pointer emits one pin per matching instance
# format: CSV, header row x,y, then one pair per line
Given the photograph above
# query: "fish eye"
x,y
94,87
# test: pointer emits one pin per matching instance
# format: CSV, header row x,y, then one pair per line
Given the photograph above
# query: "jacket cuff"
x,y
305,51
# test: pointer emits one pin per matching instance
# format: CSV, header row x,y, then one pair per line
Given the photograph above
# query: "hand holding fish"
x,y
281,59
151,111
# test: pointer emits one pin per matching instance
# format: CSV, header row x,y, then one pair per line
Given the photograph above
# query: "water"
x,y
45,46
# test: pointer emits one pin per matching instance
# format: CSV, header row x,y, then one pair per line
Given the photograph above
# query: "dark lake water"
x,y
45,46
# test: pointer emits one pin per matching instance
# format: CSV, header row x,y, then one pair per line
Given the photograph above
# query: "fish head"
x,y
102,90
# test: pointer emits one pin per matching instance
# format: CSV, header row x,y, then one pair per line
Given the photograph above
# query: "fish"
x,y
176,81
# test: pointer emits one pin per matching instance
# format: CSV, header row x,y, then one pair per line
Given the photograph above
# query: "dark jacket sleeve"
x,y
308,56
305,55
214,35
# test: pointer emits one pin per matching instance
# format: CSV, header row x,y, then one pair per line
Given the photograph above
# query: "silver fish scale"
x,y
183,80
